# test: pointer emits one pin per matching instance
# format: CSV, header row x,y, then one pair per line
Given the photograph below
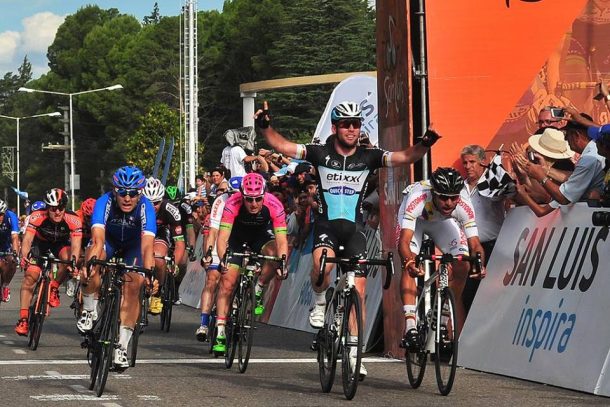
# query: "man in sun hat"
x,y
588,176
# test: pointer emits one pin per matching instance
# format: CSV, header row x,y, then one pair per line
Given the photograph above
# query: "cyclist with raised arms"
x,y
9,243
342,167
437,209
257,218
169,235
123,224
211,264
53,230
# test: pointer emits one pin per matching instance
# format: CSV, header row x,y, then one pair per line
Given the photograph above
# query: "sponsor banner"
x,y
194,278
295,298
541,313
394,72
361,89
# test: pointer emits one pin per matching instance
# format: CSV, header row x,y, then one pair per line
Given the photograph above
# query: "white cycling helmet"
x,y
154,190
3,206
55,197
346,110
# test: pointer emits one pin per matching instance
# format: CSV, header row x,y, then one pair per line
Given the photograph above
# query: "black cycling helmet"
x,y
446,181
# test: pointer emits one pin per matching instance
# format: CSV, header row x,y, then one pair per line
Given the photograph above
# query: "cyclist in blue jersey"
x,y
123,225
342,167
9,242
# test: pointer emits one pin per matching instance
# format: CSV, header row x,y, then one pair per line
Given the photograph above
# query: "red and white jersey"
x,y
418,204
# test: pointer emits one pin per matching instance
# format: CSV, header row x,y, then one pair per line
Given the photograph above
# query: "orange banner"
x,y
494,64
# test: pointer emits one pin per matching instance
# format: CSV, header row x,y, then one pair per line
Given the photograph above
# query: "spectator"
x,y
201,191
489,212
546,119
234,158
219,181
585,182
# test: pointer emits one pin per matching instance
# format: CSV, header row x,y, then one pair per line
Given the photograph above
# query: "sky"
x,y
28,27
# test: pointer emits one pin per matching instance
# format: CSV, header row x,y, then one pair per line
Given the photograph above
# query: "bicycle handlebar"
x,y
447,258
388,263
120,266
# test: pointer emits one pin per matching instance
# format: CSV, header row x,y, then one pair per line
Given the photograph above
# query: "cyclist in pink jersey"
x,y
257,219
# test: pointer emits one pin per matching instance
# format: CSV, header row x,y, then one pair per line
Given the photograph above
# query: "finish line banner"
x,y
541,314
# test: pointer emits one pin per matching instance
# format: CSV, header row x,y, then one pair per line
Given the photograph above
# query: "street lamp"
x,y
70,95
18,119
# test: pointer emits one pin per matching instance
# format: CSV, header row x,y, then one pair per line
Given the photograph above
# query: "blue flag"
x,y
22,194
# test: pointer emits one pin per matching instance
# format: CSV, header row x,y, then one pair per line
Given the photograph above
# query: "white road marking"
x,y
149,398
74,397
111,405
58,376
184,361
8,342
19,351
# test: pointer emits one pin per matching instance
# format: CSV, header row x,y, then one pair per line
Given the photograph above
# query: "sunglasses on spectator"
x,y
444,197
548,121
57,208
123,192
253,199
345,124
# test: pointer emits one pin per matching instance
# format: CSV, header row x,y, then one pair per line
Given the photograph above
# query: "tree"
x,y
154,17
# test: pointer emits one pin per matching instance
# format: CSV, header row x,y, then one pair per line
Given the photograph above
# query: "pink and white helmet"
x,y
253,184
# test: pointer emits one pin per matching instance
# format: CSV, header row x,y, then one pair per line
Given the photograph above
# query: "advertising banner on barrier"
x,y
541,312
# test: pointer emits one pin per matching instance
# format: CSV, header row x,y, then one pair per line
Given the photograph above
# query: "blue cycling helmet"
x,y
38,205
235,183
129,177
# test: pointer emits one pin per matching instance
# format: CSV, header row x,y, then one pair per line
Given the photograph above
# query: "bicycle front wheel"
x,y
108,341
38,311
416,360
328,344
133,354
246,327
446,343
168,301
212,331
352,344
232,331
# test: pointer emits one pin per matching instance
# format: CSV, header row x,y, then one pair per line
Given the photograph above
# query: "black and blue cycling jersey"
x,y
8,226
342,180
124,230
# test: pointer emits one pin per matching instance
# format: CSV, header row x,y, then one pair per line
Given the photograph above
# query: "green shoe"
x,y
221,345
260,308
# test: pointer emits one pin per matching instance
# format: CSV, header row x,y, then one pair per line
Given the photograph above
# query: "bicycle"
x,y
342,310
102,340
141,324
168,292
240,321
39,305
440,340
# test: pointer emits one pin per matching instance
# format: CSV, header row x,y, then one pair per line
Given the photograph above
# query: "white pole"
x,y
18,184
71,156
248,108
192,95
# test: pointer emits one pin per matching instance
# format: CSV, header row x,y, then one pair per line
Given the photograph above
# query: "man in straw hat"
x,y
586,180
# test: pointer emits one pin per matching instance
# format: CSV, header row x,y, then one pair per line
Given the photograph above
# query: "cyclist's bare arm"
x,y
26,245
15,242
474,247
98,239
408,156
404,249
281,242
148,255
221,242
75,246
279,143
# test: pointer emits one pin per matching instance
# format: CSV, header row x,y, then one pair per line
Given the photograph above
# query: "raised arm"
x,y
416,152
278,142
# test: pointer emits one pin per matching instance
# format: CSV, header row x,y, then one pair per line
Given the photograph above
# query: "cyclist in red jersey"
x,y
52,230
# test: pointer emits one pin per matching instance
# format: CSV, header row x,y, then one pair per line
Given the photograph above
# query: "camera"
x,y
531,157
557,113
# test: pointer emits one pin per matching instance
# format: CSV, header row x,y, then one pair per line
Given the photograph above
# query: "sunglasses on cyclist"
x,y
444,197
123,192
253,199
345,124
57,208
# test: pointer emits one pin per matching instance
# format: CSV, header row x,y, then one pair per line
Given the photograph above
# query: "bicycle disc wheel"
x,y
416,360
168,302
108,340
350,366
231,331
37,314
246,327
446,347
328,343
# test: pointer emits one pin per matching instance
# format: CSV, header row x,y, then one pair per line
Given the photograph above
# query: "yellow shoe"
x,y
155,305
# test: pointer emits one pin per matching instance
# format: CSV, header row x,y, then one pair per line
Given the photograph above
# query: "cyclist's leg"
x,y
228,281
408,284
90,288
161,248
207,299
324,239
8,266
27,287
62,252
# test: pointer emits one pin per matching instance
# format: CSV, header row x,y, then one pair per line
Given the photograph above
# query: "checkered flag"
x,y
495,181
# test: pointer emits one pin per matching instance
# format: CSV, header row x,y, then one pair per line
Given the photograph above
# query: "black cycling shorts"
x,y
339,232
164,235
